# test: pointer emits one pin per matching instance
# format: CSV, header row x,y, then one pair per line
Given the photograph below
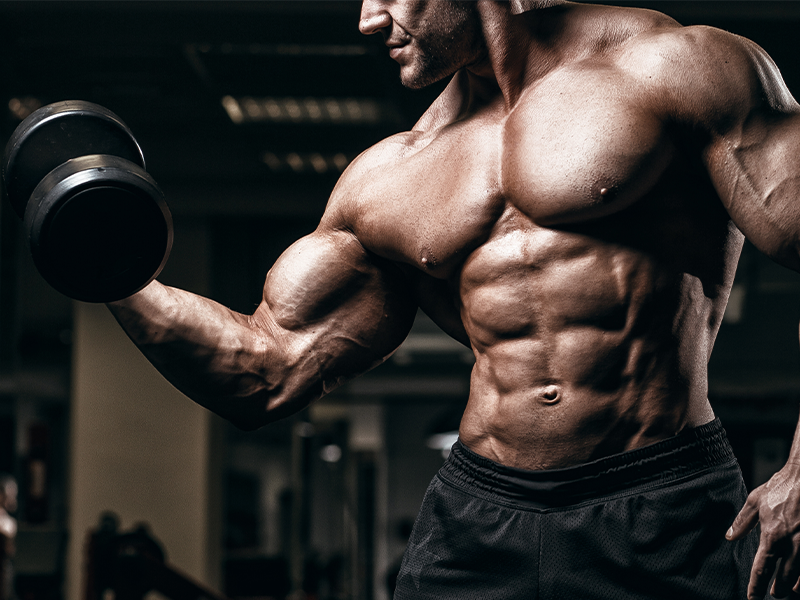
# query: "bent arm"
x,y
756,171
330,311
750,128
727,103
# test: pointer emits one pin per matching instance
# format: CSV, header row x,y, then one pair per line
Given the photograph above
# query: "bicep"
x,y
756,172
730,93
335,310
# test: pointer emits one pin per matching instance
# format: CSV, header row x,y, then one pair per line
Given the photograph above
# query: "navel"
x,y
551,394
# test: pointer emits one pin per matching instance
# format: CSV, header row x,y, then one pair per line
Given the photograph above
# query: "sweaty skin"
x,y
572,208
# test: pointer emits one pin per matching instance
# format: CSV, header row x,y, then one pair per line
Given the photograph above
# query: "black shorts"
x,y
644,524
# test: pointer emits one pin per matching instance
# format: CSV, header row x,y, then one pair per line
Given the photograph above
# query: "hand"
x,y
776,505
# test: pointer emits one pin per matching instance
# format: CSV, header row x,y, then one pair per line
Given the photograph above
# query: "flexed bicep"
x,y
753,151
723,96
337,309
330,312
757,175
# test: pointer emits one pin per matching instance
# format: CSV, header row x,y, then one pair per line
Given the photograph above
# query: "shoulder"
x,y
702,75
368,170
367,177
607,27
349,197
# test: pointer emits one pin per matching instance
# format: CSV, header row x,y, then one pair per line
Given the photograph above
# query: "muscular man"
x,y
572,207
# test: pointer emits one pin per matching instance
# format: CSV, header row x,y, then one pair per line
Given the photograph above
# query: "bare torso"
x,y
577,244
572,208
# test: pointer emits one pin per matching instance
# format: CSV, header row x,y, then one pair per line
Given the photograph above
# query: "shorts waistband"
x,y
690,452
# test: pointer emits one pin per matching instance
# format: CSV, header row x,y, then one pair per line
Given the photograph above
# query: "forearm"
x,y
210,353
328,314
775,505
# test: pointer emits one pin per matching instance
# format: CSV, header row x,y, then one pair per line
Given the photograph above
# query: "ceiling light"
x,y
443,442
295,162
318,162
340,161
306,162
354,111
22,107
272,161
282,49
331,453
233,109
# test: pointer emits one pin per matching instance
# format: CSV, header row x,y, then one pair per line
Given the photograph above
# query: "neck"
x,y
520,47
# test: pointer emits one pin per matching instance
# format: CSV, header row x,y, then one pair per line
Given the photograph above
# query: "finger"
x,y
787,575
746,519
761,573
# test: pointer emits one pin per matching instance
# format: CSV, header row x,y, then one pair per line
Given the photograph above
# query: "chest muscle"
x,y
577,148
433,204
562,156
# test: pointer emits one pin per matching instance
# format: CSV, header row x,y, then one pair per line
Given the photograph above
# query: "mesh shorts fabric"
x,y
645,524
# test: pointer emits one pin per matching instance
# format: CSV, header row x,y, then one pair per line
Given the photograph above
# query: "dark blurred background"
x,y
247,113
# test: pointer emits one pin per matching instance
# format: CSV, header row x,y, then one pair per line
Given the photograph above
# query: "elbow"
x,y
247,413
244,424
246,407
787,255
262,394
255,410
779,244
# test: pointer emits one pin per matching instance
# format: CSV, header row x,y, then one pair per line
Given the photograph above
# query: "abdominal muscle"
x,y
583,350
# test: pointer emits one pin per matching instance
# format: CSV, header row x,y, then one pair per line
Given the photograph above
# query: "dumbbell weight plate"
x,y
56,133
98,228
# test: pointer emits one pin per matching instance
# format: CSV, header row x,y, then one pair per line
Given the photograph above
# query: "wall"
x,y
137,446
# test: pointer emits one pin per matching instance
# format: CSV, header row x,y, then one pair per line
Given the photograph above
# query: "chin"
x,y
413,84
416,80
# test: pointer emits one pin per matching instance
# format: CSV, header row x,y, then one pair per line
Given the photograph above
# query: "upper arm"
x,y
331,311
730,95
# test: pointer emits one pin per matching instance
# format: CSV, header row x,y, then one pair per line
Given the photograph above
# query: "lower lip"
x,y
395,52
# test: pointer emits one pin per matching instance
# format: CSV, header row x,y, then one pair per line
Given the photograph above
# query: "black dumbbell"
x,y
97,224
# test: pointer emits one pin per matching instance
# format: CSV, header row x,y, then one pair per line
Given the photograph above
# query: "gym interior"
x,y
247,112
